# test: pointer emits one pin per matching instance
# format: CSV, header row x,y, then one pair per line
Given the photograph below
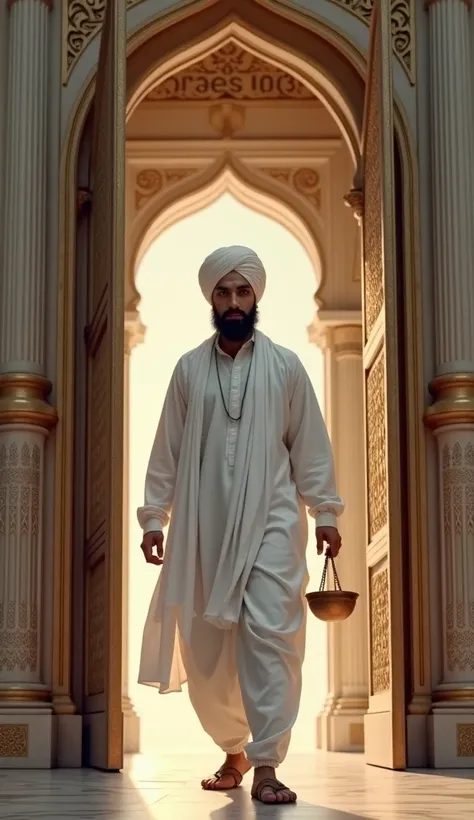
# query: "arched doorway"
x,y
338,82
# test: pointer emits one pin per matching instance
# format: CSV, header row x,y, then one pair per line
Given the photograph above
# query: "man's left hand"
x,y
331,537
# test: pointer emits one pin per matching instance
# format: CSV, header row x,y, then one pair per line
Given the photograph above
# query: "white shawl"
x,y
173,601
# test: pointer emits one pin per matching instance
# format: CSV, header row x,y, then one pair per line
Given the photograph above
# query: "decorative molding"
x,y
151,181
305,181
379,632
227,119
13,740
230,73
83,20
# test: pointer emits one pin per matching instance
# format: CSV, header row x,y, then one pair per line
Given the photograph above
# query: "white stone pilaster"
x,y
26,722
340,726
451,416
134,335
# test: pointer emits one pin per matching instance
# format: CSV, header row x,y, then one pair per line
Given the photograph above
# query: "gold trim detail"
x,y
453,695
453,400
355,201
465,740
83,20
23,400
13,740
24,695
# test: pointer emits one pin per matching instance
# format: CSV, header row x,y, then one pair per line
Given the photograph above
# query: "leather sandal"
x,y
227,771
276,787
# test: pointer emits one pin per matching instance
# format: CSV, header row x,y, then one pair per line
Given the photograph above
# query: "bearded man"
x,y
241,449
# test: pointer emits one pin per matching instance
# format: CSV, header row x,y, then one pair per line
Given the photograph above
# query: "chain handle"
x,y
337,583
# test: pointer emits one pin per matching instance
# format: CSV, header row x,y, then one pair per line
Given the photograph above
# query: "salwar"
x,y
248,680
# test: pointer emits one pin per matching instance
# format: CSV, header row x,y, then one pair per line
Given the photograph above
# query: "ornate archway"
x,y
336,79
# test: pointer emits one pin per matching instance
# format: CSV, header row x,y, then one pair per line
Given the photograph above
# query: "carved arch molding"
x,y
84,19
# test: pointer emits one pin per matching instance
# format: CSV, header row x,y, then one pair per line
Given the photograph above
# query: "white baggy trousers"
x,y
247,681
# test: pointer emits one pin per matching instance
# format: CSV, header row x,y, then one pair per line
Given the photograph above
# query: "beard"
x,y
235,330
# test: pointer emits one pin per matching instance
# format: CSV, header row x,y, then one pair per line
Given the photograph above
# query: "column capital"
x,y
337,330
135,331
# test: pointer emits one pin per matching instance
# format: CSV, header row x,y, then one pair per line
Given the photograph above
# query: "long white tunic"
x,y
301,467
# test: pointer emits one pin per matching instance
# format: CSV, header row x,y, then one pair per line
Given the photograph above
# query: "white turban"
x,y
234,258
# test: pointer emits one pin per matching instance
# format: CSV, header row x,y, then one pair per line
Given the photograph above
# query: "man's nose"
x,y
234,302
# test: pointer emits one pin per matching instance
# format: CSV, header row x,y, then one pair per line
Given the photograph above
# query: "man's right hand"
x,y
150,540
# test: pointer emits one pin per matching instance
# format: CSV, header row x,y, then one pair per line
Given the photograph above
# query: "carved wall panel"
x,y
305,181
83,18
379,632
151,181
458,537
376,447
95,642
97,485
13,740
465,740
20,476
372,223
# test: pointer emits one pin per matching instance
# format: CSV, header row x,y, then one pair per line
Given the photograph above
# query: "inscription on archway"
x,y
232,73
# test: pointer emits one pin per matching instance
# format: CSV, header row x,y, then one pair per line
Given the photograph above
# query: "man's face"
x,y
234,307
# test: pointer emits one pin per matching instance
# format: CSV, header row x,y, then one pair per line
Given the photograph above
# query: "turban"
x,y
234,258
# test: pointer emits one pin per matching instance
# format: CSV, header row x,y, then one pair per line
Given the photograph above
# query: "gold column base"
x,y
453,396
454,696
23,400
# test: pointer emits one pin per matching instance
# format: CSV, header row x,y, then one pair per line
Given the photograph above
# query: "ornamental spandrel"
x,y
84,19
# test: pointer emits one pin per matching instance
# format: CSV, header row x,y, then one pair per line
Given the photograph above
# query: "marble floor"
x,y
330,787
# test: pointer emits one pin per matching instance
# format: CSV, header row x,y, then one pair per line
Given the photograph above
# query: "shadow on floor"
x,y
242,807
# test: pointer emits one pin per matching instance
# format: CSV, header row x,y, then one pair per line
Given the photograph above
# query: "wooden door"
x,y
385,723
104,339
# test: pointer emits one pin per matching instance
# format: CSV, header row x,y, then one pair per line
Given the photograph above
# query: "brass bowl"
x,y
332,604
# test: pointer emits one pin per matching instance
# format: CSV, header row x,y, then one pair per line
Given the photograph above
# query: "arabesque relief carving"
x,y
305,181
379,632
376,447
20,475
95,639
83,20
230,73
13,740
465,740
151,181
458,517
372,223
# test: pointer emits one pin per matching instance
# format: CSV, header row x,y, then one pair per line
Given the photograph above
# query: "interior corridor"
x,y
330,787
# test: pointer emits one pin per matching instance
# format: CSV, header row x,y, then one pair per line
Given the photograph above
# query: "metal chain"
x,y
337,583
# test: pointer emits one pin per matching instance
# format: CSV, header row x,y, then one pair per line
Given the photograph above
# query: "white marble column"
x,y
340,725
26,737
134,335
451,416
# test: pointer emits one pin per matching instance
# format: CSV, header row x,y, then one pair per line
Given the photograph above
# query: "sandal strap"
x,y
269,783
229,771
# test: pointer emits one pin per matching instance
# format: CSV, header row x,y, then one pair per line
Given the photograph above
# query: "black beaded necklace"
x,y
222,392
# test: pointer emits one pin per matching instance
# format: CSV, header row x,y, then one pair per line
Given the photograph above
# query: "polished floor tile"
x,y
330,787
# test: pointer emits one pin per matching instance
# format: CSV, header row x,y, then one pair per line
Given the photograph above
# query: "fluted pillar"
x,y
26,730
134,335
340,726
451,416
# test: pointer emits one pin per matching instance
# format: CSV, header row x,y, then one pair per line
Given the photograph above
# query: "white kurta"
x,y
270,624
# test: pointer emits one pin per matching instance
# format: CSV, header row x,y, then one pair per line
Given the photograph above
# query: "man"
x,y
240,450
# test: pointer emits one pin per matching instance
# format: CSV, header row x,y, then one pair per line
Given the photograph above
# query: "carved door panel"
x,y
385,727
104,418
